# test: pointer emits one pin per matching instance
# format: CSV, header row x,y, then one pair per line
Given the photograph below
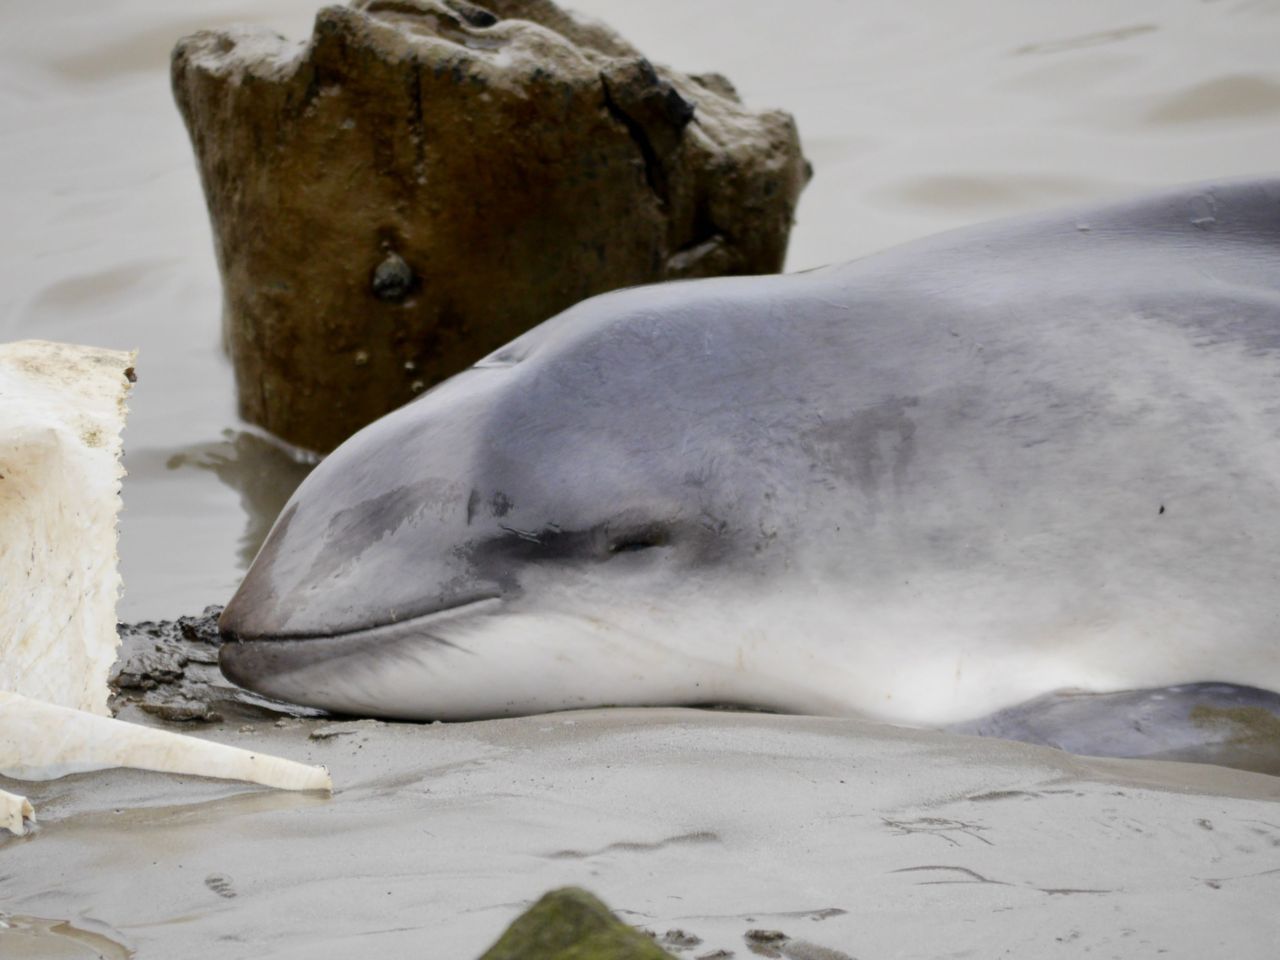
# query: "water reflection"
x,y
262,470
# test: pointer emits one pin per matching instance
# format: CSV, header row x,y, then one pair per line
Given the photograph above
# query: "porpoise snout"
x,y
250,659
242,663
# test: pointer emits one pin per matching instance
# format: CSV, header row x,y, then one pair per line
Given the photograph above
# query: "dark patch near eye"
x,y
641,539
499,557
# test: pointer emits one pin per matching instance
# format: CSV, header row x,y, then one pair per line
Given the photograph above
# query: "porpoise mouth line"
x,y
418,619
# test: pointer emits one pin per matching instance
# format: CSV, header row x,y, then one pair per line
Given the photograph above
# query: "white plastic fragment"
x,y
62,410
40,741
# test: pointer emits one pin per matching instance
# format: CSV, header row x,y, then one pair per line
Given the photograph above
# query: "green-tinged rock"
x,y
571,924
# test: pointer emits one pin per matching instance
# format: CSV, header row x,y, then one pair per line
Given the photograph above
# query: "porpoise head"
x,y
573,522
914,486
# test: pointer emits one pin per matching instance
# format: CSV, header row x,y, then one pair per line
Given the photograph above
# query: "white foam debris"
x,y
62,410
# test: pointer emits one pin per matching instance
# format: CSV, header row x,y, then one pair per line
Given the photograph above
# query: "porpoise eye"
x,y
641,539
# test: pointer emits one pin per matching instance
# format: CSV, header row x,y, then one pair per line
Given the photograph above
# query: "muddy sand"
x,y
838,838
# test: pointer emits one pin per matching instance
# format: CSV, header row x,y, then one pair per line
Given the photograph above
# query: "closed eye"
x,y
638,540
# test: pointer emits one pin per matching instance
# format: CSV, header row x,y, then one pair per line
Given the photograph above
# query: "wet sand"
x,y
843,838
854,839
866,840
858,839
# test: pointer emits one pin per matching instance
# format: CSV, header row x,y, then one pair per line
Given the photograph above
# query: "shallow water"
x,y
917,117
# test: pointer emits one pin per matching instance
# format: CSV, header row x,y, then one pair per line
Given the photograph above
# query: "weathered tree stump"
x,y
425,179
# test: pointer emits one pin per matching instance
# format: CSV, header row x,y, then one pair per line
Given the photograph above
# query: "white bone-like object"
x,y
62,410
40,741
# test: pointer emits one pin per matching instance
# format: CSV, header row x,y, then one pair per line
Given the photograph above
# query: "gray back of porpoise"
x,y
928,484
